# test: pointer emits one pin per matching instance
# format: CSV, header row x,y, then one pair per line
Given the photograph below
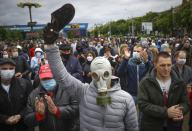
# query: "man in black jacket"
x,y
162,98
22,69
49,106
13,97
72,63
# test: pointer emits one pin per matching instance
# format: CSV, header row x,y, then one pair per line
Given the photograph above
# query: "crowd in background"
x,y
132,59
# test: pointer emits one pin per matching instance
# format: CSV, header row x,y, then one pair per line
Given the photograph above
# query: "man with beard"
x,y
71,63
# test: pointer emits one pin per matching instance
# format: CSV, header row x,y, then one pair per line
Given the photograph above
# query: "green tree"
x,y
165,22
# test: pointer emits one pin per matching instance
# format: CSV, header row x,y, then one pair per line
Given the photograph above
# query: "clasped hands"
x,y
40,106
175,112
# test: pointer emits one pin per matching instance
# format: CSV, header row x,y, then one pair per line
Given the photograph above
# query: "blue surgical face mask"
x,y
48,85
38,54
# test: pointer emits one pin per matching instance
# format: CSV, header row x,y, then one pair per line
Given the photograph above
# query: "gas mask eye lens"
x,y
106,75
95,76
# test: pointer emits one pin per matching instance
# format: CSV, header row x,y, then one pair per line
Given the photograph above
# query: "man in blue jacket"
x,y
134,68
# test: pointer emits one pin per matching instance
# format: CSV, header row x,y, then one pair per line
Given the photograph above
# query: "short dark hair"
x,y
65,47
4,61
162,54
178,52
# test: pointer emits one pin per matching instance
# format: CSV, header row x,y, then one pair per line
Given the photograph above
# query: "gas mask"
x,y
101,78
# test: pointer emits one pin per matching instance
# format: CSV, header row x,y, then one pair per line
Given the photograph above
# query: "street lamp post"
x,y
110,29
29,4
132,27
173,20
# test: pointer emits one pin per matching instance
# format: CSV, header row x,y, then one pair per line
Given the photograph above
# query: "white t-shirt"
x,y
165,85
5,87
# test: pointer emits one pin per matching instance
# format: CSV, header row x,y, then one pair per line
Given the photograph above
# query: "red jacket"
x,y
32,52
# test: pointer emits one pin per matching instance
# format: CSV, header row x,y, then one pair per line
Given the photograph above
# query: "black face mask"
x,y
82,60
66,56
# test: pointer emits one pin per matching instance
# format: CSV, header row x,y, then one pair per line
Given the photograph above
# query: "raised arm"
x,y
60,73
59,19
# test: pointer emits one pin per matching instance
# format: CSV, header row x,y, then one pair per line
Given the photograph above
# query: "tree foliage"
x,y
177,19
6,34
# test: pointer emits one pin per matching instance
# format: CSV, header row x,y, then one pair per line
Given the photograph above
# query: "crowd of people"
x,y
95,84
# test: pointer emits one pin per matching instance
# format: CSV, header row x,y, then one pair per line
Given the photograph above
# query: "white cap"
x,y
38,49
18,47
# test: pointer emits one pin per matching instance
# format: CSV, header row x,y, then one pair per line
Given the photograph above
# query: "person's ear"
x,y
155,65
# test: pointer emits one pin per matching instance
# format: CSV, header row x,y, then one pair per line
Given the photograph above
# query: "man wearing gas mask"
x,y
13,97
103,105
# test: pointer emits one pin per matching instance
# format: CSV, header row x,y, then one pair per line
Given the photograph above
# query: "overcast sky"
x,y
89,11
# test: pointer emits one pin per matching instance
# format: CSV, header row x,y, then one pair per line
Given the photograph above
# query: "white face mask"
x,y
89,58
5,56
15,54
7,74
136,55
181,61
